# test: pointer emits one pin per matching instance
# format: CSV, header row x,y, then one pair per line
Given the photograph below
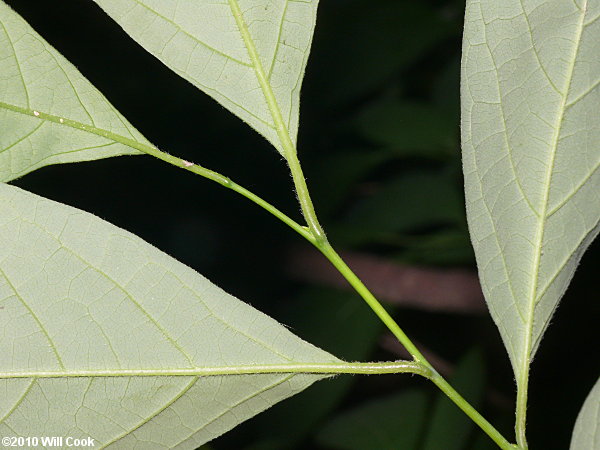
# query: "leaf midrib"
x,y
289,149
533,299
64,121
242,369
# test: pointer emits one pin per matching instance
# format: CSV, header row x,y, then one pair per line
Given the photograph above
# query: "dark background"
x,y
379,142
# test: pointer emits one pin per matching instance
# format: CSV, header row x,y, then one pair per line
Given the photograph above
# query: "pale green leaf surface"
x,y
531,152
49,113
586,434
86,308
201,41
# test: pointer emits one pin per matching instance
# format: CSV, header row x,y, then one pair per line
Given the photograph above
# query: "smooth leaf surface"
x,y
586,434
531,152
105,336
49,113
252,63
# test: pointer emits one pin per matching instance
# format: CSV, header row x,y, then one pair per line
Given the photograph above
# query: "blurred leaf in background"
x,y
409,129
353,338
332,187
366,45
390,423
409,202
449,428
399,188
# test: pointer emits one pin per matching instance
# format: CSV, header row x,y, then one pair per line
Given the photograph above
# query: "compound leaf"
x,y
249,55
586,434
105,336
49,113
531,152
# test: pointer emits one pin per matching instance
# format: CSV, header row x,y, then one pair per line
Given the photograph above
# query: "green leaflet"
x,y
586,434
205,43
105,336
49,113
531,152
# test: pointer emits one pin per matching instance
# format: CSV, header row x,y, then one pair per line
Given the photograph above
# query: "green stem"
x,y
521,409
174,160
369,298
320,239
420,366
487,427
313,233
228,183
384,316
288,147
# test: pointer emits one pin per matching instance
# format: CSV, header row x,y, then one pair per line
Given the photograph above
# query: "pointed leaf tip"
x,y
49,113
104,334
530,134
204,43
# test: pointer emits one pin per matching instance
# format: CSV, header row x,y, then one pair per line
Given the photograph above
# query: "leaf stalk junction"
x,y
312,232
